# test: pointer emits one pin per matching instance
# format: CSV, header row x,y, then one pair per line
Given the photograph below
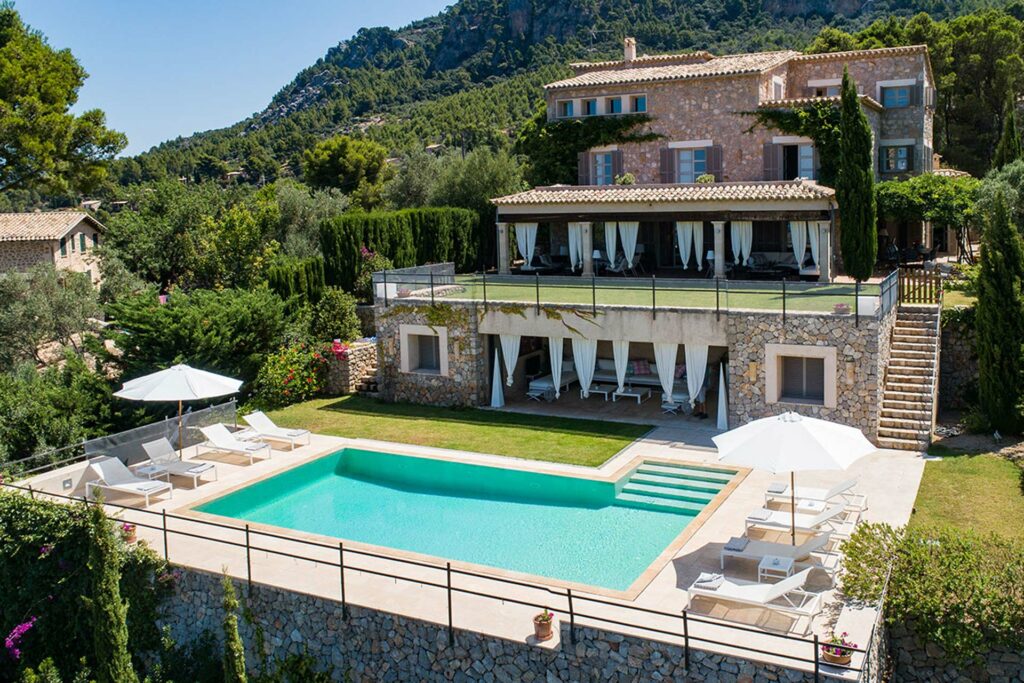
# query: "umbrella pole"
x,y
180,441
792,507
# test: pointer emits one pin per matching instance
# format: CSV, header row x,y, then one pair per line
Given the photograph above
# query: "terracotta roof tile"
x,y
856,54
784,190
43,225
802,101
951,173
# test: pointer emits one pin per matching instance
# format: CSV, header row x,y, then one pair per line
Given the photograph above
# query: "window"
x,y
565,109
798,162
691,164
803,379
826,91
898,96
95,239
604,172
614,105
429,352
81,242
63,246
806,161
423,349
896,159
639,103
590,107
778,90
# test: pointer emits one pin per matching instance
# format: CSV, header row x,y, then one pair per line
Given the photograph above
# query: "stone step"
x,y
903,433
921,373
917,345
904,380
915,397
901,423
369,394
917,315
899,360
925,353
905,409
914,332
667,492
902,444
914,338
655,503
674,483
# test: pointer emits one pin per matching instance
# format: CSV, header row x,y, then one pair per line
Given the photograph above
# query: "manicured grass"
x,y
952,298
977,492
565,440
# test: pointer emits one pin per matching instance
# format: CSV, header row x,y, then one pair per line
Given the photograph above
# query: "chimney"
x,y
629,49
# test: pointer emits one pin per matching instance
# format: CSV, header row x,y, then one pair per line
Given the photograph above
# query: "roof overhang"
x,y
57,234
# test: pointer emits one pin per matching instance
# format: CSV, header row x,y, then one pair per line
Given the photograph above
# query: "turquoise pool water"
x,y
565,528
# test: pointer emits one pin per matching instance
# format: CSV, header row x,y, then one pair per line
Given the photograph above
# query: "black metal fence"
x,y
649,623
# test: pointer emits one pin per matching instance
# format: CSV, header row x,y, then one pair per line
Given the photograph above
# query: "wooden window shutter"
x,y
583,168
911,150
772,160
714,165
816,162
916,94
668,165
616,163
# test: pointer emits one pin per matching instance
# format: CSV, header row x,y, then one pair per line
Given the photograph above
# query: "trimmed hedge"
x,y
409,237
298,277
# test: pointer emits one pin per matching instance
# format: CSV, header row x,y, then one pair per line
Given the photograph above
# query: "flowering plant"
x,y
13,638
127,528
838,645
339,349
293,374
544,617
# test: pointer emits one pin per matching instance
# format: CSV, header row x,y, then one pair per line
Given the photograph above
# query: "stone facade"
x,y
915,662
343,375
958,364
23,254
466,382
371,645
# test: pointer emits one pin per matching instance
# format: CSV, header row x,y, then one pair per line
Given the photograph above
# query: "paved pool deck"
x,y
889,478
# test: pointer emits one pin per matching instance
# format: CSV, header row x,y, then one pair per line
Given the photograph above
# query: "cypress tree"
x,y
855,187
1009,148
1000,321
113,662
234,652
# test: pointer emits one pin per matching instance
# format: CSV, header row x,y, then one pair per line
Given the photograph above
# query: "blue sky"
x,y
161,69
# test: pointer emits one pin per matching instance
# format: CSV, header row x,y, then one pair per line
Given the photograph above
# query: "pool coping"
x,y
612,476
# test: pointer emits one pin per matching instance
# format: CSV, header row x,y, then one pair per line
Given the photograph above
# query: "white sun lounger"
x,y
779,491
162,455
114,476
263,426
786,596
784,519
749,549
220,439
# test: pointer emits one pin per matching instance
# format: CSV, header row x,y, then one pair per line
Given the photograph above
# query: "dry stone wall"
x,y
343,375
917,662
24,255
958,364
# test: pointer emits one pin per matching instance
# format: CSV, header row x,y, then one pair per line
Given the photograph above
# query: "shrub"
x,y
300,278
293,374
372,263
334,317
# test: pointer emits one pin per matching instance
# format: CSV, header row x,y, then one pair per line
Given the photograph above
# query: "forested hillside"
x,y
468,74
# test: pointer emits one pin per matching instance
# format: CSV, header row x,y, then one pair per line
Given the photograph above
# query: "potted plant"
x,y
836,649
542,625
841,309
128,532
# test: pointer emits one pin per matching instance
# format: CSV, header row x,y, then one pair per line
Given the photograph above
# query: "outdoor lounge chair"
x,y
220,439
749,549
162,454
786,596
779,491
264,427
784,519
114,476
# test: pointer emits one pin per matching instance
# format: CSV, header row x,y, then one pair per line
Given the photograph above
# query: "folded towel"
x,y
778,487
201,467
760,514
737,543
295,432
150,486
254,446
709,580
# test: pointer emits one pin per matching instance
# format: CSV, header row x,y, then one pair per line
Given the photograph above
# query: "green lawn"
x,y
566,440
977,492
952,298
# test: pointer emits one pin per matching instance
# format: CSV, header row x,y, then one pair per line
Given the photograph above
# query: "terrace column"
x,y
503,259
588,249
719,227
825,251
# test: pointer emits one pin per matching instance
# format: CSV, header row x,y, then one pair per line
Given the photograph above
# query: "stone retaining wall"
x,y
367,321
377,646
927,663
958,373
343,375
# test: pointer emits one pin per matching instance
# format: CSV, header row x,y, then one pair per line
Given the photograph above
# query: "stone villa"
x,y
64,238
712,205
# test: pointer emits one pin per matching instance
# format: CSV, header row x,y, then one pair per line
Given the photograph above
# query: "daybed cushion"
x,y
606,364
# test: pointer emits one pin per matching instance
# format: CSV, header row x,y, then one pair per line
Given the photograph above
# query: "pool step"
x,y
675,483
686,472
668,492
661,504
667,487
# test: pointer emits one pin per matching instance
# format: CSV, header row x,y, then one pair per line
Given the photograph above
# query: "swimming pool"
x,y
581,530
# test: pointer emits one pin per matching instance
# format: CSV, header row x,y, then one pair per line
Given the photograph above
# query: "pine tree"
x,y
1000,321
1009,148
234,651
855,187
113,662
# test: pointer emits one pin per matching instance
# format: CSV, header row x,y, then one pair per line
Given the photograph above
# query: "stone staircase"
x,y
369,384
911,380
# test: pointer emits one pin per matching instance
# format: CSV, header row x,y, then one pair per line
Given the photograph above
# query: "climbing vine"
x,y
818,121
438,315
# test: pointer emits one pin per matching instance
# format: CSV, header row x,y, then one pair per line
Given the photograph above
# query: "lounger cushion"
x,y
737,543
709,581
760,513
778,487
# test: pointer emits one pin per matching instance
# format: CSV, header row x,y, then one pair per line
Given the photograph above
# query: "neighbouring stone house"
x,y
689,311
66,239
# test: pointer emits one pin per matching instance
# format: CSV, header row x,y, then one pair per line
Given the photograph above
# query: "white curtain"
x,y
742,233
815,232
723,401
698,243
584,356
497,393
684,236
526,240
575,244
665,356
620,351
555,356
627,232
610,245
798,235
696,368
510,352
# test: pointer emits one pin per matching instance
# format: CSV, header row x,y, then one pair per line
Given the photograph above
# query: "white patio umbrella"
x,y
789,443
178,383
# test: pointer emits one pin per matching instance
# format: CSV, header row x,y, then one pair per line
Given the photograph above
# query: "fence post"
x,y
385,288
817,663
163,517
593,294
451,629
341,569
31,493
783,301
572,618
654,297
856,304
536,280
686,643
248,558
431,288
484,274
718,308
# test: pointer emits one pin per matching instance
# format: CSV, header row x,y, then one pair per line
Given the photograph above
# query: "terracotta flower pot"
x,y
131,537
542,627
837,659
